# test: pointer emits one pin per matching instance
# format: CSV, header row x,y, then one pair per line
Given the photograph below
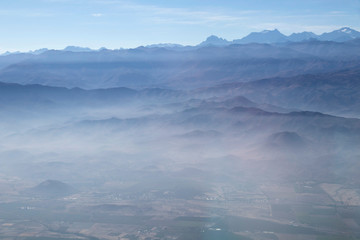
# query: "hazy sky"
x,y
33,24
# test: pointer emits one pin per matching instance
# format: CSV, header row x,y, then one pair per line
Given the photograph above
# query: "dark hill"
x,y
286,140
52,188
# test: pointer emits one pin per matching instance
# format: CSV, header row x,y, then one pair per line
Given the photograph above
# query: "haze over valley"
x,y
255,138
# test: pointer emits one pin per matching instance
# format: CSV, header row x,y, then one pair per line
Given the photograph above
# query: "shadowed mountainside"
x,y
335,92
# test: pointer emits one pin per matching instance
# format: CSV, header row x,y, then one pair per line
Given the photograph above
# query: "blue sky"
x,y
34,24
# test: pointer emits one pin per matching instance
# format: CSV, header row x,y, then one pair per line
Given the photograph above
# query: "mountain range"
x,y
267,36
185,69
275,36
331,92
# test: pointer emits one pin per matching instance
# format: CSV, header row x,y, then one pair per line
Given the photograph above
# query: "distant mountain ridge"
x,y
275,36
266,36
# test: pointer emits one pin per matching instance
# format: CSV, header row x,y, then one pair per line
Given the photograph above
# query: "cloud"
x,y
338,13
97,14
171,15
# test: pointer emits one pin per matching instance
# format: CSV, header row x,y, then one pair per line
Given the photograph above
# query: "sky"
x,y
54,24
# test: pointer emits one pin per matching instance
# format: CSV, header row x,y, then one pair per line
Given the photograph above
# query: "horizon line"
x,y
9,52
